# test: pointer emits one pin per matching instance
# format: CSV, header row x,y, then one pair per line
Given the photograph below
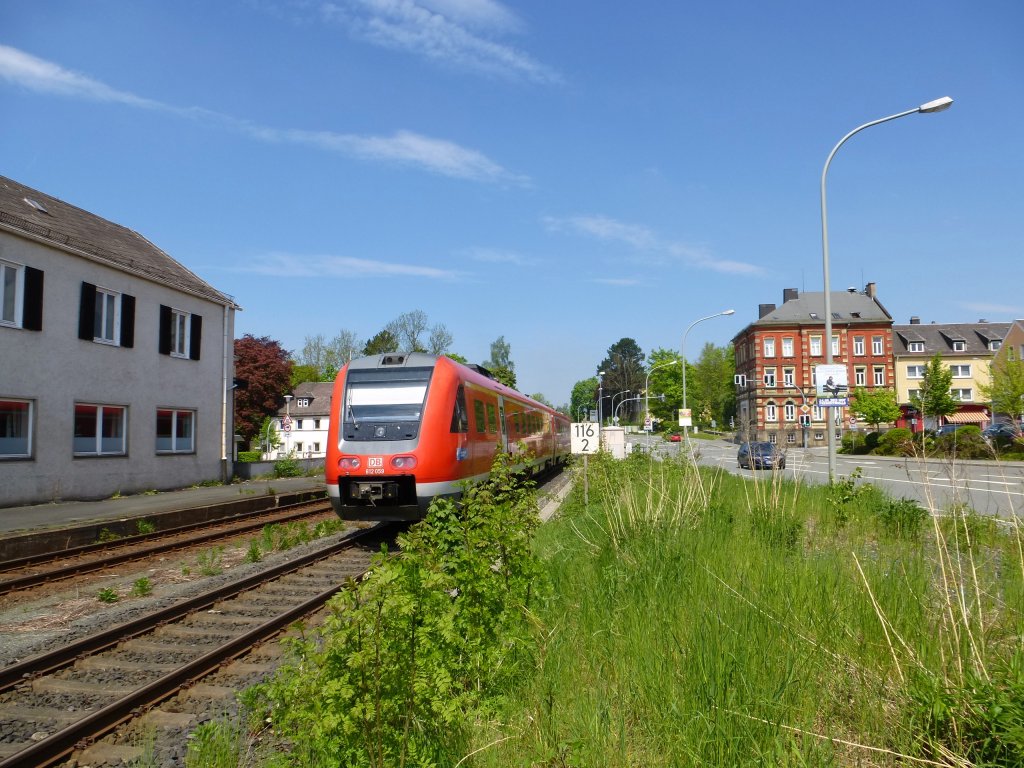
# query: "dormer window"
x,y
302,402
959,346
915,346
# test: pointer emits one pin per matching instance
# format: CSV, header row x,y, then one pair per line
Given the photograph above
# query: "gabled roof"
x,y
939,337
848,307
32,214
319,395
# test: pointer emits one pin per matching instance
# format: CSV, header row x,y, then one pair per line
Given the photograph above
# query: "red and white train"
x,y
406,428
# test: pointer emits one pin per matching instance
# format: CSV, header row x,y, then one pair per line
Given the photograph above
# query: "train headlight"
x,y
403,462
348,462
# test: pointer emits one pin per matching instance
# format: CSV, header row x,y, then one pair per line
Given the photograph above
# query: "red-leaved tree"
x,y
263,370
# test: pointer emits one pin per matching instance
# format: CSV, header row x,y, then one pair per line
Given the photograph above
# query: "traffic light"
x,y
805,420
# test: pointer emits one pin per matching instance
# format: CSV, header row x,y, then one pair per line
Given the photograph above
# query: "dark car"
x,y
761,456
675,437
1001,431
948,429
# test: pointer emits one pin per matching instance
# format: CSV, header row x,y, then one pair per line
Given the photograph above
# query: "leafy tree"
x,y
666,378
710,391
407,329
345,346
583,399
934,399
327,357
1006,391
440,340
875,406
264,365
500,364
542,400
304,373
383,342
456,357
623,370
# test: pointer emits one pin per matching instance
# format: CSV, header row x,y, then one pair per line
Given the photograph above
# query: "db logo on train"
x,y
375,465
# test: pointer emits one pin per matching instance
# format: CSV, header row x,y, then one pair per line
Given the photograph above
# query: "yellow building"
x,y
966,348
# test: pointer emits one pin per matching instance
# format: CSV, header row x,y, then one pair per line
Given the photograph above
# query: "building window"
x,y
819,435
789,377
787,346
316,447
21,296
816,414
961,371
302,402
915,346
913,394
877,346
835,346
770,412
994,345
791,437
915,371
181,333
769,347
316,422
860,376
107,317
816,346
298,424
15,428
858,346
790,411
961,394
773,437
959,346
878,375
298,448
769,377
175,431
99,430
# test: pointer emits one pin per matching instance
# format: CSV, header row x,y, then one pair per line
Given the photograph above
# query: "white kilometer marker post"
x,y
585,439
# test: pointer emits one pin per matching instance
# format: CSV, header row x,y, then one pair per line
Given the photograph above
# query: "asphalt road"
x,y
988,487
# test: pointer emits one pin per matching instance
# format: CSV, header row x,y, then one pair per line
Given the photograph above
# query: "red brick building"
x,y
777,353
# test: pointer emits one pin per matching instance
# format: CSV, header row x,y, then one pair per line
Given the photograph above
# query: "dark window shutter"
x,y
87,312
165,330
32,310
196,337
127,320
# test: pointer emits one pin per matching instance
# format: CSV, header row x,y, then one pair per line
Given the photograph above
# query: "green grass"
x,y
697,618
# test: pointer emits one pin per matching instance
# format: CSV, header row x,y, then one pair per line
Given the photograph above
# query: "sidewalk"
x,y
40,517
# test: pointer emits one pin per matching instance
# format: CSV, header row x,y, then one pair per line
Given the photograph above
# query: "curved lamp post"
x,y
932,106
600,399
686,430
647,388
623,392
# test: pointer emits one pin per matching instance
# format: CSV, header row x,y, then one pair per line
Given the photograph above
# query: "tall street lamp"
x,y
623,392
932,106
287,424
600,399
686,430
647,387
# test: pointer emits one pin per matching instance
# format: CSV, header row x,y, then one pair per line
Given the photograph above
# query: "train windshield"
x,y
386,396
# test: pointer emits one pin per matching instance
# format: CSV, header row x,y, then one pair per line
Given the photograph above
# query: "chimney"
x,y
915,320
789,294
764,309
869,289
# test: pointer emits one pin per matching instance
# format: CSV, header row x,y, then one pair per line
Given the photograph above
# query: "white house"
x,y
307,415
116,361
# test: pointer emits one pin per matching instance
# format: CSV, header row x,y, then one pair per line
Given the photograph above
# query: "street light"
x,y
932,106
600,399
647,388
287,424
686,430
623,392
622,402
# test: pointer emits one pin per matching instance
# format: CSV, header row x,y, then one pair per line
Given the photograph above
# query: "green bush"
x,y
896,442
249,457
287,467
859,443
964,443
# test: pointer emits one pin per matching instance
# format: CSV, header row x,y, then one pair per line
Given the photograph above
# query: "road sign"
x,y
805,408
685,417
585,437
286,424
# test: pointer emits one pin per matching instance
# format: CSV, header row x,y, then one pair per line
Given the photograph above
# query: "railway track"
x,y
56,701
45,568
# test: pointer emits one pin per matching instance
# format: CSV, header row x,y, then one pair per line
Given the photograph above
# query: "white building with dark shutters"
x,y
116,361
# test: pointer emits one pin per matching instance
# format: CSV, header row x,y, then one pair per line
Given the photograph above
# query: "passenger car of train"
x,y
406,428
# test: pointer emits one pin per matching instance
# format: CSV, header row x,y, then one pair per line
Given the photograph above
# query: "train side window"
x,y
478,414
460,418
515,423
492,418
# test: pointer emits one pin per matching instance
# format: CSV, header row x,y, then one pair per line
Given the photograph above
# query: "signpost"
x,y
585,439
685,417
833,385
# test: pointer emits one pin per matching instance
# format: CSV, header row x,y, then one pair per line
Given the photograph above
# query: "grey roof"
x,y
848,307
319,394
939,337
30,213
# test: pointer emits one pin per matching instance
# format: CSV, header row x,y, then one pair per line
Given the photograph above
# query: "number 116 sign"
x,y
585,437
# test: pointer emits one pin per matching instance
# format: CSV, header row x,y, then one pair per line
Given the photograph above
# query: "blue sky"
x,y
563,174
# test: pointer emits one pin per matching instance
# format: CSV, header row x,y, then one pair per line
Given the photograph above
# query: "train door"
x,y
502,427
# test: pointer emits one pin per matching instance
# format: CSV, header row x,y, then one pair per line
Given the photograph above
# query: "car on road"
x,y
761,456
1001,431
675,437
948,429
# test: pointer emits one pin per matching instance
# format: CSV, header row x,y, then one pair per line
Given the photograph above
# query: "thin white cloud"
x,y
403,147
288,265
651,246
994,309
439,30
623,282
496,256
